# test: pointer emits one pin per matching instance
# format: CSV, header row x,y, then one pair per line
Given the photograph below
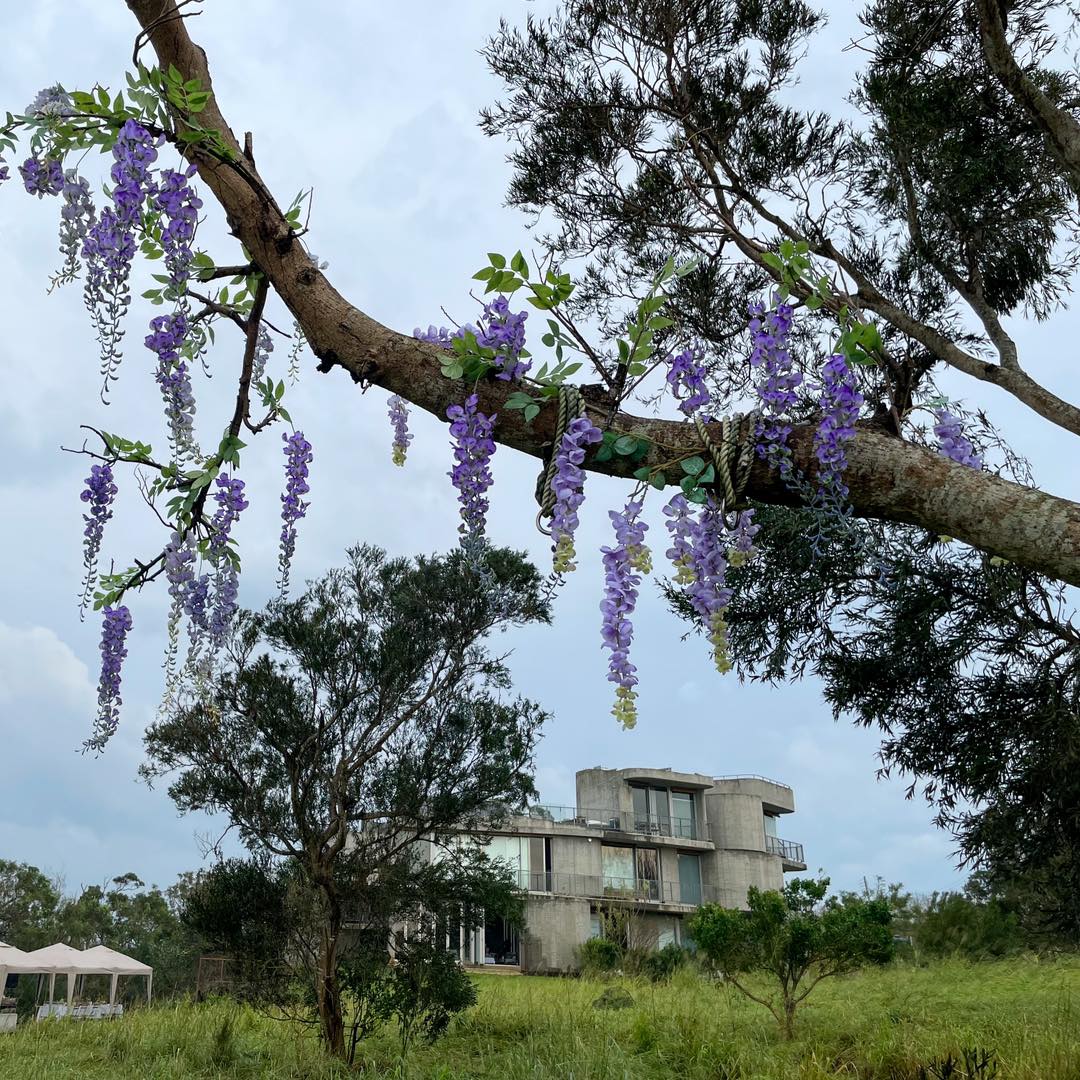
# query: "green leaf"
x,y
693,466
698,495
787,249
484,274
604,453
626,445
531,411
497,260
519,265
642,473
771,259
708,476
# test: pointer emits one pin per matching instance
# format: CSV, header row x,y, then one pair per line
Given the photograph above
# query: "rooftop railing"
x,y
786,849
679,828
754,776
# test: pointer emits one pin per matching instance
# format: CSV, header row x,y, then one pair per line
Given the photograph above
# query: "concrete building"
x,y
651,844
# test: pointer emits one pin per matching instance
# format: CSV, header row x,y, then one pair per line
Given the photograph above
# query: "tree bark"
x,y
889,478
328,990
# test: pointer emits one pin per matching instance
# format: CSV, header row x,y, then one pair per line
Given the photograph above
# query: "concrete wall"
x,y
576,855
554,928
737,820
736,871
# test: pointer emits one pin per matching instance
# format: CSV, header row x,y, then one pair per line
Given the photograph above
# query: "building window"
x,y
689,879
618,868
770,824
683,824
647,865
540,876
652,813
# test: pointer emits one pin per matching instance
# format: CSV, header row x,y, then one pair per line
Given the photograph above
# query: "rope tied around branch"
x,y
733,457
571,406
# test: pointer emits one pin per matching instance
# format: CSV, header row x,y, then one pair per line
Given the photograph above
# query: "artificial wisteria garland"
x,y
166,337
399,421
777,382
298,457
568,487
686,380
99,493
952,442
471,431
115,627
840,402
624,562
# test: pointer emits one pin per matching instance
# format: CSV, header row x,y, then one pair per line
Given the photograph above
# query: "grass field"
x,y
882,1025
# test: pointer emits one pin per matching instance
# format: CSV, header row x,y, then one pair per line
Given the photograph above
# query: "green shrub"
x,y
599,955
660,964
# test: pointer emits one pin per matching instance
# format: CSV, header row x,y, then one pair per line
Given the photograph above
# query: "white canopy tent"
x,y
60,959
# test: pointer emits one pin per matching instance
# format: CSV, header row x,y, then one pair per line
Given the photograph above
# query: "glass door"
x,y
689,879
682,815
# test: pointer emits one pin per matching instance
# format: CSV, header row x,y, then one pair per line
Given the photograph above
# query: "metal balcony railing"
x,y
680,828
786,849
602,886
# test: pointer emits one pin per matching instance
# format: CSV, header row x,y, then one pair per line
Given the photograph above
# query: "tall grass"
x,y
876,1025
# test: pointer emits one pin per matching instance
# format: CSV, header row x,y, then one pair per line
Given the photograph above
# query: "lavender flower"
x,y
686,375
777,382
76,218
42,177
620,598
298,457
98,494
180,205
569,488
166,337
436,335
53,101
840,402
399,420
952,442
114,631
473,446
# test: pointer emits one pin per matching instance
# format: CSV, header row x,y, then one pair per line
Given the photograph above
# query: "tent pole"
x,y
112,989
52,985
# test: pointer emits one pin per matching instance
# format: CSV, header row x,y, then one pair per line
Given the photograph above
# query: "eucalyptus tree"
x,y
338,729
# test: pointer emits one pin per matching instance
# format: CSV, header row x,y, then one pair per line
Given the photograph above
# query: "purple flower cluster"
x,y
110,243
167,333
499,329
114,631
840,402
777,382
231,502
76,218
264,346
98,494
473,446
42,177
53,101
180,573
952,441
180,205
686,377
621,579
298,457
569,488
702,549
399,421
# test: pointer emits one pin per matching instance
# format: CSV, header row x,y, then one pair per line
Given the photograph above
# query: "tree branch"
x,y
888,477
1061,129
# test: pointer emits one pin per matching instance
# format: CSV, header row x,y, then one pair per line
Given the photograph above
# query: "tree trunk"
x,y
789,1017
888,477
328,988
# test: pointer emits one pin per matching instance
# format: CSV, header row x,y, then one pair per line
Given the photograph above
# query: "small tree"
x,y
344,726
793,935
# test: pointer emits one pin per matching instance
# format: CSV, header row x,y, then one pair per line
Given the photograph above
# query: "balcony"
x,y
788,850
603,887
677,828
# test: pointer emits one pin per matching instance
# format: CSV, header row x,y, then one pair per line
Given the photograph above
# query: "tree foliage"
x,y
350,723
792,936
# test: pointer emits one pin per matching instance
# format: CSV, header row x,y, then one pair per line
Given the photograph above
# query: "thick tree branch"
x,y
1061,128
888,477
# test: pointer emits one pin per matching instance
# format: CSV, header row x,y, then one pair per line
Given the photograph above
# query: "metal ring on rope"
x,y
571,406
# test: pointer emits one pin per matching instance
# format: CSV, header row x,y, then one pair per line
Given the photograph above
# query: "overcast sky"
x,y
374,105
